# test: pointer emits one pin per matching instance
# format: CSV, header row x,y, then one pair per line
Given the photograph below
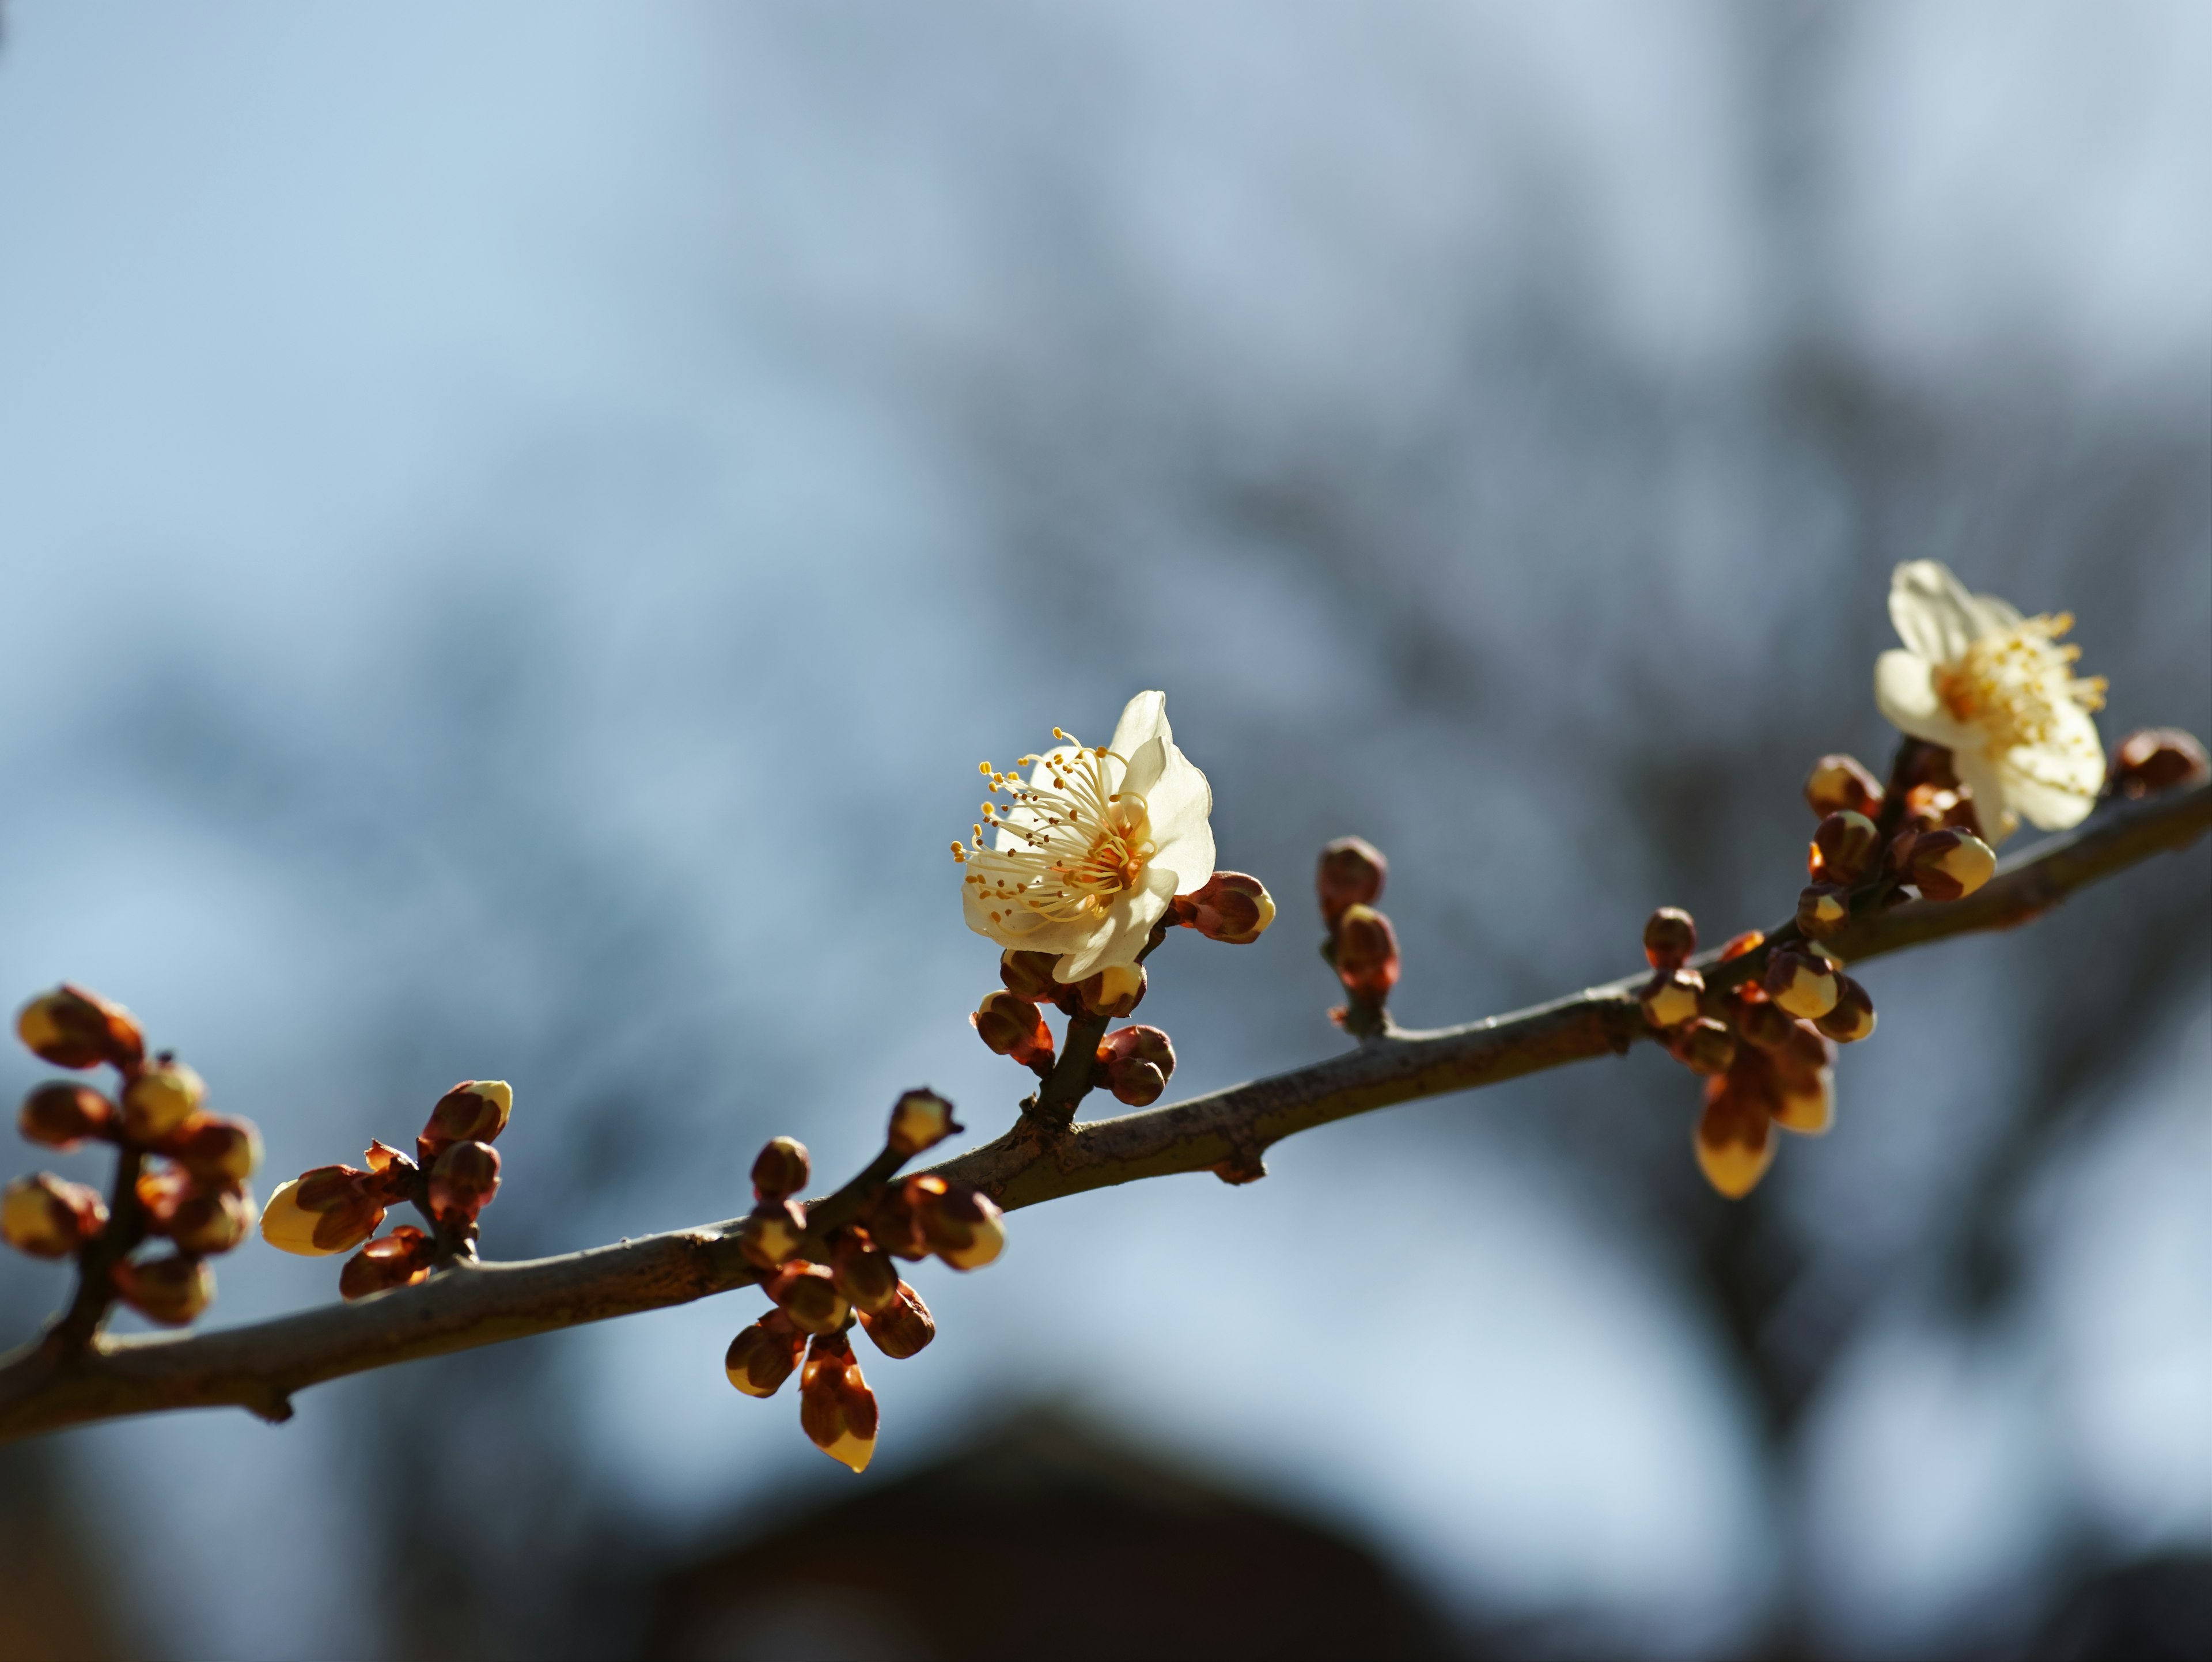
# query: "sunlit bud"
x,y
1366,953
893,1225
216,1146
1736,945
383,1157
50,1217
782,1169
836,1410
772,1233
1230,907
160,1098
921,1120
168,1290
1670,997
1838,784
73,1028
202,1218
332,1208
902,1327
962,1225
1351,873
765,1356
808,1294
463,1181
1800,1083
1762,1023
399,1259
1803,985
1845,850
1940,808
864,1274
1949,865
1823,909
1706,1047
1012,1028
1670,935
475,1110
1137,1063
1112,992
1852,1019
1734,1138
2157,759
62,1115
1926,763
1029,975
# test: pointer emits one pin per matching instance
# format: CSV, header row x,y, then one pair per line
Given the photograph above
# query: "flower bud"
x,y
836,1410
1366,953
62,1115
902,1327
216,1146
50,1217
1845,850
1922,763
399,1259
168,1290
1112,992
962,1225
463,1181
772,1233
1823,909
1949,865
1838,784
1737,945
73,1028
1670,997
1940,808
332,1208
1705,1047
160,1098
1799,1084
1137,1063
864,1274
782,1169
919,1120
1852,1019
1351,873
1803,985
475,1110
1735,1139
202,1217
765,1356
383,1157
1012,1028
1029,975
2157,759
1761,1022
1670,935
809,1296
1228,907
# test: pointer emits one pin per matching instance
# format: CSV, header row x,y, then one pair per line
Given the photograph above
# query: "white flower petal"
x,y
1934,614
1146,767
1904,689
2055,784
1128,926
1142,718
1182,832
1986,781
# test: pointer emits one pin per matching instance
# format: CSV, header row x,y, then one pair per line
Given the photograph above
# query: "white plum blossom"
x,y
1998,691
1085,858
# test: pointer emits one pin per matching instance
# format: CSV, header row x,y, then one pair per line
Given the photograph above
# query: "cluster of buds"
x,y
1134,1063
1361,947
453,1177
854,1277
182,1173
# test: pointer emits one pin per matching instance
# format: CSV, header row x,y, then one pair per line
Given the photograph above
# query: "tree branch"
x,y
259,1366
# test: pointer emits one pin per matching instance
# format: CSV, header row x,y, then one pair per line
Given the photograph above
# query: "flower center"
x,y
2012,686
1072,844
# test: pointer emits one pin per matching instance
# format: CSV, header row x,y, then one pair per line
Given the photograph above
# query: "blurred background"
x,y
520,521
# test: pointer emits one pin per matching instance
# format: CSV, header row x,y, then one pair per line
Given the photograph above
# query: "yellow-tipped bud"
x,y
1112,992
62,1115
475,1110
1735,1139
771,1233
1949,865
809,1296
865,1275
1671,998
1705,1047
1232,907
1803,985
765,1356
73,1028
921,1120
50,1217
1839,784
1853,1020
170,1290
332,1208
836,1410
962,1225
159,1099
902,1327
1845,850
1823,909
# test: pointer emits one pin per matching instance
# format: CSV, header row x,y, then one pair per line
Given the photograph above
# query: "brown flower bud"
x,y
921,1120
765,1356
1852,1019
1366,953
1949,865
2155,759
836,1410
168,1290
1012,1028
1737,945
1938,807
1798,1083
383,1157
1802,984
1838,784
1029,975
1845,850
1112,992
1823,909
73,1028
216,1146
1670,997
1353,872
399,1259
62,1115
902,1327
1705,1047
1228,907
962,1225
864,1274
893,1225
332,1208
1925,763
159,1099
782,1169
1137,1063
50,1217
463,1181
1761,1022
771,1233
1670,935
202,1217
809,1296
1735,1139
475,1110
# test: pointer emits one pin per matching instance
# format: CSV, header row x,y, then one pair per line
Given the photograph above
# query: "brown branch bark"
x,y
259,1366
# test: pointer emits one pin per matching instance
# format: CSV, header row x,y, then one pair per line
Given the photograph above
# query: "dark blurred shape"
x,y
51,1602
2156,1609
1046,1537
